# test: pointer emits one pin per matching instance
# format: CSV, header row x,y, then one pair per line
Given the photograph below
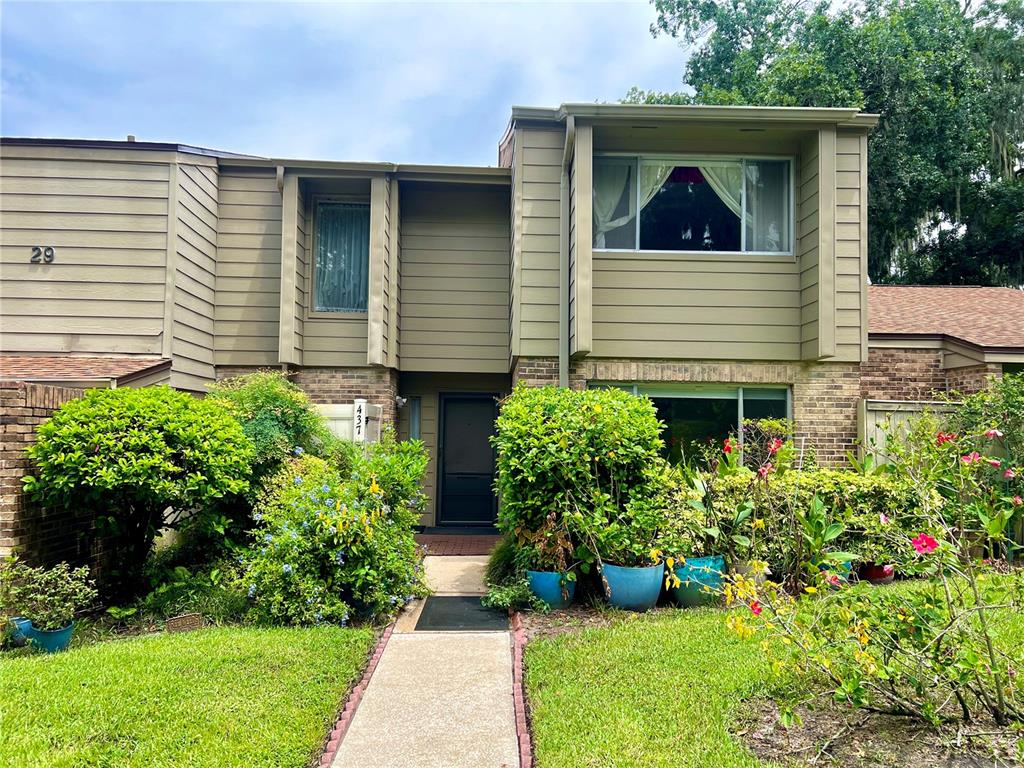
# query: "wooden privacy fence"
x,y
874,415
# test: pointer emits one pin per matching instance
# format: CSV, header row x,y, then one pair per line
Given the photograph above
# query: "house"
x,y
711,257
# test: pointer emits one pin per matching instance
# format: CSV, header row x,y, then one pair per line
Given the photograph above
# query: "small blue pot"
x,y
633,589
51,640
547,585
701,579
21,628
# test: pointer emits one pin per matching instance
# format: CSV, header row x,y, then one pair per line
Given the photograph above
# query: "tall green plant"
x,y
130,456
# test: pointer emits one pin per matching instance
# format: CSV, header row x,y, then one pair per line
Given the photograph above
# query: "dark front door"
x,y
467,460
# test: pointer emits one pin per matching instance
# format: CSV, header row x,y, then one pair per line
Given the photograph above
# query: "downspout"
x,y
563,254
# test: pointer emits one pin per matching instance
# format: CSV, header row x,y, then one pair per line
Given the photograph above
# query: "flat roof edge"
x,y
845,116
144,146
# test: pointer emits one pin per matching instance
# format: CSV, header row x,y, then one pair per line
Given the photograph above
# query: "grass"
x,y
658,690
215,697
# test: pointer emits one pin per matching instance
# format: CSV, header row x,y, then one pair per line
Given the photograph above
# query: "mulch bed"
x,y
832,734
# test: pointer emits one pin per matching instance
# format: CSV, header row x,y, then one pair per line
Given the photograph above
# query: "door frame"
x,y
442,429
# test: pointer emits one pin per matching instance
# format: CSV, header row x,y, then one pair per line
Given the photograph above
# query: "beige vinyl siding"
x,y
514,152
293,262
537,167
808,246
581,264
428,388
690,307
393,305
851,247
106,214
195,275
247,315
573,244
454,278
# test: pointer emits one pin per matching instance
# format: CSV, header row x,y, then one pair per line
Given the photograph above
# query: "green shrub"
x,y
126,455
501,563
579,460
857,501
1001,407
50,597
280,421
211,591
330,547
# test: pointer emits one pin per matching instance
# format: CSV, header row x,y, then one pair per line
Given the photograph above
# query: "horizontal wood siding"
x,y
247,315
106,214
807,249
516,263
454,278
540,169
572,256
851,248
689,307
301,270
195,280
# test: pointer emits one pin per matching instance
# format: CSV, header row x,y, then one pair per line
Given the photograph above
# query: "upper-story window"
x,y
740,205
341,281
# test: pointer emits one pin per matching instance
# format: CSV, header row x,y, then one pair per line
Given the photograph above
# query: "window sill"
x,y
337,316
776,256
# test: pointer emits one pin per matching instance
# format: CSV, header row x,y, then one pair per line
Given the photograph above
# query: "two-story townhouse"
x,y
713,258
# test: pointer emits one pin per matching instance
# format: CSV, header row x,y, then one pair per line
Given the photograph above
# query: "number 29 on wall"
x,y
43,254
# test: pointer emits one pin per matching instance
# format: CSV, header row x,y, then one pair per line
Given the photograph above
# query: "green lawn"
x,y
216,697
648,691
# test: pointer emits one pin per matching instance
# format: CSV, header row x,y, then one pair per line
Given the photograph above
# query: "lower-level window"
x,y
699,415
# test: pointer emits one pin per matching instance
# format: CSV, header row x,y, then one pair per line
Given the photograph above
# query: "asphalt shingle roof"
x,y
73,368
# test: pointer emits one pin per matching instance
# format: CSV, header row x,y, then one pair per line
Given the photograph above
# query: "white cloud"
x,y
409,82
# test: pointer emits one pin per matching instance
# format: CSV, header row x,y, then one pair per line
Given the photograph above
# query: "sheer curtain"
x,y
342,257
611,180
726,179
652,177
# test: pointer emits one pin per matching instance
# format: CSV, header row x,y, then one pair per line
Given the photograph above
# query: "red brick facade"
x,y
902,374
38,535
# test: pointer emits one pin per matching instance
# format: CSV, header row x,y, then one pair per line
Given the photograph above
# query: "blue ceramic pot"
x,y
547,585
52,640
634,589
701,579
21,628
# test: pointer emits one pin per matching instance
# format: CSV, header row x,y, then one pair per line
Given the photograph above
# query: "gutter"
x,y
563,254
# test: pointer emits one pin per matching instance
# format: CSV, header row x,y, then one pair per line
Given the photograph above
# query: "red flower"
x,y
774,446
925,544
888,569
1009,474
993,433
763,470
727,445
995,463
833,579
970,458
755,608
944,437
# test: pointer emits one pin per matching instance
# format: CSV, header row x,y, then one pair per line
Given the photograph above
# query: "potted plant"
x,y
55,596
695,579
13,578
546,558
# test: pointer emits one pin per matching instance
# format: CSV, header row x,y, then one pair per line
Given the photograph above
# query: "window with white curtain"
x,y
741,205
341,272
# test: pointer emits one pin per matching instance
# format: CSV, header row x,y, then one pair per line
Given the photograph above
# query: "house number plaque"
x,y
43,254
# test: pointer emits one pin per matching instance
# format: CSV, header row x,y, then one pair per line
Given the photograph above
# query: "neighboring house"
x,y
711,257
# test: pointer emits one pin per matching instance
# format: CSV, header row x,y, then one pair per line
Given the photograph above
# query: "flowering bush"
x,y
929,650
329,547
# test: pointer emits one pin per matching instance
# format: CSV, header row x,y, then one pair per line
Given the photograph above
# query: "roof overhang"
x,y
957,352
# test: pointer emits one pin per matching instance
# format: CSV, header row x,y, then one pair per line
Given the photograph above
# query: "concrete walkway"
x,y
438,699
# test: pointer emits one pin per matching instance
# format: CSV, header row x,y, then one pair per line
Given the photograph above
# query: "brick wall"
x,y
902,374
972,378
331,386
41,536
825,395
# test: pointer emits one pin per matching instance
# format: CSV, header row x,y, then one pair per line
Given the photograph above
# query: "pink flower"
x,y
944,437
763,470
883,518
888,569
1017,501
755,608
1009,474
774,446
925,544
993,433
971,457
995,463
833,579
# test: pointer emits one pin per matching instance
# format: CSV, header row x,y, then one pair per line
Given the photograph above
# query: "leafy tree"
x,y
948,82
130,457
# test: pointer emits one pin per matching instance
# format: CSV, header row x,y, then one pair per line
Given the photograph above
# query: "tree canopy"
x,y
944,172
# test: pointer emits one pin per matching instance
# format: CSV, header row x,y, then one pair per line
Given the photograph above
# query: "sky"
x,y
400,82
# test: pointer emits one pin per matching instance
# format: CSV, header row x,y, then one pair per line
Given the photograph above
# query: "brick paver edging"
x,y
519,692
352,701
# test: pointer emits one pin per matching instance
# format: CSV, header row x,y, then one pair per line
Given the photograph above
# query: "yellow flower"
x,y
670,562
655,555
810,590
374,488
759,524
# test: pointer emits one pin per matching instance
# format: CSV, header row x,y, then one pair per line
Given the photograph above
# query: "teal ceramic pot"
x,y
21,627
547,585
53,640
701,579
633,589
